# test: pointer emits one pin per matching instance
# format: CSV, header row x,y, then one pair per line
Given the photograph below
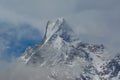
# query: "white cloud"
x,y
11,17
94,20
15,71
15,38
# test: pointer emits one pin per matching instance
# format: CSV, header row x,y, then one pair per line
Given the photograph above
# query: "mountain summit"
x,y
59,28
68,58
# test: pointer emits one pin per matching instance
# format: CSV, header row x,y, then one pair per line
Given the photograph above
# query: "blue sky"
x,y
14,39
95,21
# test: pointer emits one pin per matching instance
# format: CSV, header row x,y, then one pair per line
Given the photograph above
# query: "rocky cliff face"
x,y
68,58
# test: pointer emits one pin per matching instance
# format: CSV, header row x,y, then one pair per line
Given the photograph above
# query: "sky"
x,y
95,21
14,39
23,22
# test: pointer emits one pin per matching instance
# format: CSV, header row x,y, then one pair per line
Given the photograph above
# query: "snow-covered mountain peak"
x,y
58,27
70,59
52,27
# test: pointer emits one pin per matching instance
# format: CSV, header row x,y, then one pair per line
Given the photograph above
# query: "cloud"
x,y
20,71
15,71
14,39
40,8
12,17
98,22
95,21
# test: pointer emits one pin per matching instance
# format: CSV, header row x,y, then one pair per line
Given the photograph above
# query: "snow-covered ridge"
x,y
52,27
61,28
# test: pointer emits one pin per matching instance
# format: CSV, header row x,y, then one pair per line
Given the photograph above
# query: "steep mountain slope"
x,y
68,58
